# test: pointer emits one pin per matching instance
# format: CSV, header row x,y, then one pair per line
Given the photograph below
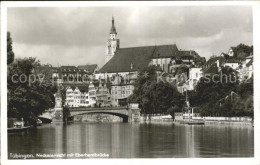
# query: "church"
x,y
125,63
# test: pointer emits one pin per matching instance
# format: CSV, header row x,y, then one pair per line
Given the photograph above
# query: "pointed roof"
x,y
129,59
113,28
89,68
249,63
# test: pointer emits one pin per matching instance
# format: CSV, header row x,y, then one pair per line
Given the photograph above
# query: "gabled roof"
x,y
163,51
129,59
232,61
249,63
213,69
83,88
89,68
187,53
214,59
68,67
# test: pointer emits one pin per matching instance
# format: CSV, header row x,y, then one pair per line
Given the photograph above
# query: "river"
x,y
134,140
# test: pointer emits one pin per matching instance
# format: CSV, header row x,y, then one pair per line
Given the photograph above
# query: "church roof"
x,y
129,59
137,58
163,51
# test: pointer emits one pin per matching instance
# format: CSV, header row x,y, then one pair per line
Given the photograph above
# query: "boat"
x,y
17,129
39,122
196,122
45,119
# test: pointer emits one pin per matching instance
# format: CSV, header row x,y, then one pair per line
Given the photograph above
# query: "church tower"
x,y
112,43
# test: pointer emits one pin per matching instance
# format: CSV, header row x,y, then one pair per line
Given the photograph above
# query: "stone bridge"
x,y
123,112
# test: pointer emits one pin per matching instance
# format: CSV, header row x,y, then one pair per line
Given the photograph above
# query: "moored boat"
x,y
18,129
196,122
45,119
39,122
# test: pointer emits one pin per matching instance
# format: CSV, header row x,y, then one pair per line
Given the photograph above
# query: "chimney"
x,y
217,63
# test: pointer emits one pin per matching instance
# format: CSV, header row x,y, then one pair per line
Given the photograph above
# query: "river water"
x,y
134,140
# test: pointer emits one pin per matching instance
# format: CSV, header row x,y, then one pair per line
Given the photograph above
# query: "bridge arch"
x,y
123,116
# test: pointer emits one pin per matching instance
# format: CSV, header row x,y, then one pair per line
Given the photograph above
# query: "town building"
x,y
232,63
246,68
88,96
121,89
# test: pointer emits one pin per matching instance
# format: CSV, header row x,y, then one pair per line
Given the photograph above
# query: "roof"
x,y
129,59
214,59
81,88
88,68
213,69
249,63
137,58
70,69
187,53
165,51
232,61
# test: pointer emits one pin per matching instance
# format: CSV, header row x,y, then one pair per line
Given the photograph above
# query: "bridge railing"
x,y
96,108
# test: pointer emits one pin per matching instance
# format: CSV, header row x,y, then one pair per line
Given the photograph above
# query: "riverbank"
x,y
207,120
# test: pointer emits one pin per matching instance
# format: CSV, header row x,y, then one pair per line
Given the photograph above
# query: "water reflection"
x,y
135,140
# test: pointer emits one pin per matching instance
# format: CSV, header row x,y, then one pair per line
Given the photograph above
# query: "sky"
x,y
78,36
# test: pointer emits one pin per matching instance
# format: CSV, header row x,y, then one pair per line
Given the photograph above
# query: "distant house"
x,y
246,68
70,75
88,95
120,90
90,69
234,64
213,65
194,76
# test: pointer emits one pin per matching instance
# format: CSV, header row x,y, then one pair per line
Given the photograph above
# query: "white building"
x,y
234,64
246,69
92,94
194,76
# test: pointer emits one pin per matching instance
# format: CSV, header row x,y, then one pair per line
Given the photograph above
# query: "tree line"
x,y
24,99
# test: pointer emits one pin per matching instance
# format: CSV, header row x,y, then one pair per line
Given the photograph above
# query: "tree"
x,y
242,50
153,96
27,100
10,53
172,110
212,88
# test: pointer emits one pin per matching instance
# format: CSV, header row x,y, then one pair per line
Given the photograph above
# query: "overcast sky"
x,y
77,36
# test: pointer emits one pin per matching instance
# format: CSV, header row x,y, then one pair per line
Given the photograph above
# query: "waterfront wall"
x,y
159,118
230,119
208,119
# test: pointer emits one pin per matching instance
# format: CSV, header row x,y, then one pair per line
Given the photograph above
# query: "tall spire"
x,y
113,28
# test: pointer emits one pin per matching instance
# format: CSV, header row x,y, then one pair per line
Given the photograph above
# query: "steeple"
x,y
112,42
113,28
